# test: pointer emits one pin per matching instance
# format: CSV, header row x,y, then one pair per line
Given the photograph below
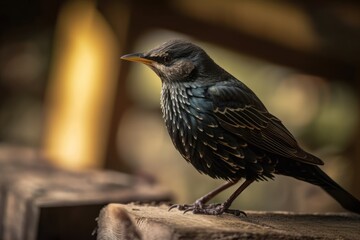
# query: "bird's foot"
x,y
207,209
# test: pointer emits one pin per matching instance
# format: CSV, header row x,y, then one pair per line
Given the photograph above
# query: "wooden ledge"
x,y
117,221
39,201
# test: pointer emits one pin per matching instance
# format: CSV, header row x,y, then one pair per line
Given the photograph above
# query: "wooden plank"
x,y
15,163
39,201
117,221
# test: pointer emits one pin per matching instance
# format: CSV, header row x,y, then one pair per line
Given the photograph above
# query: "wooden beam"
x,y
160,14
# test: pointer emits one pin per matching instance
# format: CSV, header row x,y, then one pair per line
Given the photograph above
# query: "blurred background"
x,y
65,92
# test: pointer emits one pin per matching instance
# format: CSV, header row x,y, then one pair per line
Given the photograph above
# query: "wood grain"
x,y
117,221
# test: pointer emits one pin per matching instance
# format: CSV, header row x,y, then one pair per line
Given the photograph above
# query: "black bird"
x,y
223,129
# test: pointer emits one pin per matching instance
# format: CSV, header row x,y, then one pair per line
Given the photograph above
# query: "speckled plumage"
x,y
223,129
200,138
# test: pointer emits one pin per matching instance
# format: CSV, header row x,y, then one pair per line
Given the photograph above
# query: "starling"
x,y
223,129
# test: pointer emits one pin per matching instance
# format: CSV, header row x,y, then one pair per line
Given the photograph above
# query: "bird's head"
x,y
176,61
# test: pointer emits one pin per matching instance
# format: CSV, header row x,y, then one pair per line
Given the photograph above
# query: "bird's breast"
x,y
180,118
197,135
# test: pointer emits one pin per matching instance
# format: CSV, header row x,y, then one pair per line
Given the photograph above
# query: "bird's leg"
x,y
204,199
199,203
217,209
225,206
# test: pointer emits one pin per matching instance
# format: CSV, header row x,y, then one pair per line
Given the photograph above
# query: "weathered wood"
x,y
117,221
38,201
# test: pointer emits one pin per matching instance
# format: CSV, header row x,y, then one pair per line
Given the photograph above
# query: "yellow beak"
x,y
137,57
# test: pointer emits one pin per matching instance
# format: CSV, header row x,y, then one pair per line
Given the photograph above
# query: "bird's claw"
x,y
236,212
207,209
181,207
186,207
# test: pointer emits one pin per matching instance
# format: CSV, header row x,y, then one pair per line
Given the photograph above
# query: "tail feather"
x,y
314,175
343,197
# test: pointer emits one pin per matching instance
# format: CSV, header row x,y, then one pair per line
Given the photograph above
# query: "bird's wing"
x,y
240,112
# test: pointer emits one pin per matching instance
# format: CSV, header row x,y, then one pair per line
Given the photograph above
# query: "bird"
x,y
223,129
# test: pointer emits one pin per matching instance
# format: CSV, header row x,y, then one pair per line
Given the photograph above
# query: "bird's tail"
x,y
314,175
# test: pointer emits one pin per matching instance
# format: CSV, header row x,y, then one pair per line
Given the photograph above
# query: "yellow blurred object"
x,y
82,87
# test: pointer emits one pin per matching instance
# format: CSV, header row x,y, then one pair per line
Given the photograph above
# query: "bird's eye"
x,y
166,59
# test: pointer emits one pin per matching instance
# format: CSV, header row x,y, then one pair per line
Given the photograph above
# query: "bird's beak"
x,y
137,57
